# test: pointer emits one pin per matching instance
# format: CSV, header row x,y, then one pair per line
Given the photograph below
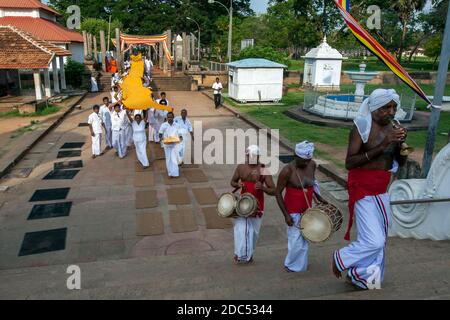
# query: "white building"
x,y
252,80
39,20
323,67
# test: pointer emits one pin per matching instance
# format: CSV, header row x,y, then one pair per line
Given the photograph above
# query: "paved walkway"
x,y
103,226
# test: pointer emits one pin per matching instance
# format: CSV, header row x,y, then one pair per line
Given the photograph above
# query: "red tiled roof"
x,y
43,29
27,4
19,50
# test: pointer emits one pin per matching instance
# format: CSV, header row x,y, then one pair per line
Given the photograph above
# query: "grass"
x,y
31,127
373,64
273,117
42,112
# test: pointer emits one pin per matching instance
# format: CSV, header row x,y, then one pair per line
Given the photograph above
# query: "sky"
x,y
259,6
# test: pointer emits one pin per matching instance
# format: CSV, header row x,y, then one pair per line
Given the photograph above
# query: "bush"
x,y
74,73
264,53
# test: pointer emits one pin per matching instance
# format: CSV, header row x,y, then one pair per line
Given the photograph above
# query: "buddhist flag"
x,y
370,43
345,4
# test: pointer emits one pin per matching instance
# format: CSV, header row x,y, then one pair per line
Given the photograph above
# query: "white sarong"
x,y
364,258
119,143
297,256
96,144
171,152
108,136
246,233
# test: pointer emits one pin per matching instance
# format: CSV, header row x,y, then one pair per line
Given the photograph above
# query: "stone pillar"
x,y
188,51
47,85
169,47
103,49
85,43
55,76
95,47
62,73
174,50
89,44
193,51
119,54
37,83
160,45
183,50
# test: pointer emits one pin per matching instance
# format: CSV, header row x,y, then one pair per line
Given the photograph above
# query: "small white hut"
x,y
323,67
252,80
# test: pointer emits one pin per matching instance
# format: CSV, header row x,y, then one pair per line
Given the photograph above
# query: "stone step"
x,y
171,83
196,276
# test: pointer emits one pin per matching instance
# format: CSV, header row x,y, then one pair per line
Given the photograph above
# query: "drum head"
x,y
226,205
246,205
316,226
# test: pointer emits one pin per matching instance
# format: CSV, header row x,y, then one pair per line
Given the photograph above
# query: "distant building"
x,y
39,20
246,43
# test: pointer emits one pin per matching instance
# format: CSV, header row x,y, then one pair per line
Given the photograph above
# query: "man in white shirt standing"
x,y
217,87
161,115
171,129
95,126
187,132
105,113
119,125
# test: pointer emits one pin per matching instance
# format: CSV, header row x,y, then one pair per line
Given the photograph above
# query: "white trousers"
x,y
129,135
364,258
140,142
246,233
96,144
172,160
298,248
119,143
182,149
153,134
108,136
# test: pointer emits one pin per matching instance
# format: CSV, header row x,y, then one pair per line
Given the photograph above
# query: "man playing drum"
x,y
298,178
373,154
250,178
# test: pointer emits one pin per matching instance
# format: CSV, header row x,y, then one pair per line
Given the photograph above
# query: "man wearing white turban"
x,y
250,178
298,179
373,154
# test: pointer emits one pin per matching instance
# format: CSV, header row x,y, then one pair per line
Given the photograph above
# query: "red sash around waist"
x,y
294,199
361,183
249,187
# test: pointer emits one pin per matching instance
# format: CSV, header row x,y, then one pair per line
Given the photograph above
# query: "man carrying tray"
x,y
170,134
250,178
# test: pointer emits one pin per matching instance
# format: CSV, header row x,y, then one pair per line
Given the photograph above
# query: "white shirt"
x,y
168,130
96,122
160,115
183,124
151,116
217,87
106,115
113,97
118,120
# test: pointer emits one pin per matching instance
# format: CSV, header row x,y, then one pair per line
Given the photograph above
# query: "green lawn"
x,y
273,117
43,112
373,64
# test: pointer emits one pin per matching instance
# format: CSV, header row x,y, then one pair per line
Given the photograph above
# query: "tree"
x,y
433,47
264,53
405,10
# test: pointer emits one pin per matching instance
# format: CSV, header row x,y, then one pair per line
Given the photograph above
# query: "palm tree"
x,y
406,10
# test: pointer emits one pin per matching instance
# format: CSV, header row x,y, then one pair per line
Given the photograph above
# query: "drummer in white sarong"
x,y
297,178
250,178
171,129
188,135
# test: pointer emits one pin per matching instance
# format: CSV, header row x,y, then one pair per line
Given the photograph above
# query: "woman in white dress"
x,y
139,137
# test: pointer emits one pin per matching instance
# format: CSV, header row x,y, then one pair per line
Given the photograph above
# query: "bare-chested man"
x,y
373,154
298,179
250,178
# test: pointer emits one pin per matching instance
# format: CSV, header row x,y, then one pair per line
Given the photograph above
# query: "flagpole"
x,y
437,99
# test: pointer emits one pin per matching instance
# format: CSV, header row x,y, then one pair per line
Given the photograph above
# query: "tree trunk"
x,y
419,43
402,42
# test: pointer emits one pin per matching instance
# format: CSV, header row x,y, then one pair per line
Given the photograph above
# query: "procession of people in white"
x,y
296,186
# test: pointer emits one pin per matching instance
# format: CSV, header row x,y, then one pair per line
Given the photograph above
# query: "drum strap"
x,y
303,189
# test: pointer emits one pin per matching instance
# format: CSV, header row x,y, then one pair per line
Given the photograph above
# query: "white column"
x,y
47,86
37,83
55,76
62,73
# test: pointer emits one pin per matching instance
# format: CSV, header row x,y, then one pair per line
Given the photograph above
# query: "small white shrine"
x,y
322,68
253,80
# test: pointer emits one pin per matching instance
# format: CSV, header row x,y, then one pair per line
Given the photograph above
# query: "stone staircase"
x,y
175,83
104,82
